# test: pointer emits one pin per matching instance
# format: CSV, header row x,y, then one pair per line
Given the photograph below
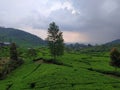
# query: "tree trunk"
x,y
54,51
54,57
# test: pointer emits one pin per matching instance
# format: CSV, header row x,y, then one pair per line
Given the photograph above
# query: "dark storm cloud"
x,y
99,20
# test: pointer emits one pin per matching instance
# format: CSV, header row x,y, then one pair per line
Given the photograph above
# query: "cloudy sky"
x,y
84,21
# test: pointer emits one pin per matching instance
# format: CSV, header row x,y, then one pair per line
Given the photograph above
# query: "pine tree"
x,y
13,52
55,40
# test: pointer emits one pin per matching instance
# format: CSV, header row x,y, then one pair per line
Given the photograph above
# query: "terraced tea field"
x,y
79,72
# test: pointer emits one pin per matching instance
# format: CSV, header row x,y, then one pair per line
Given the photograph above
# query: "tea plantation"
x,y
78,71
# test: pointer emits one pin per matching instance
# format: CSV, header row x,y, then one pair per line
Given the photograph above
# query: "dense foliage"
x,y
79,71
115,58
9,59
55,40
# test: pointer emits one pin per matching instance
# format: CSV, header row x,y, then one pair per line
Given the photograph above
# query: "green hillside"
x,y
117,41
21,38
79,71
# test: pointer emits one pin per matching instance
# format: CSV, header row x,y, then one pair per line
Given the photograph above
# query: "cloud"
x,y
67,5
109,6
73,37
69,36
97,21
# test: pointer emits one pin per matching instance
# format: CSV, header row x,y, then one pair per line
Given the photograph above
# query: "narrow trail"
x,y
40,61
71,84
9,86
86,62
108,73
32,71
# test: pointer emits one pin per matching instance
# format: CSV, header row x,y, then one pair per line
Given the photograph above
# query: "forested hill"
x,y
20,37
117,41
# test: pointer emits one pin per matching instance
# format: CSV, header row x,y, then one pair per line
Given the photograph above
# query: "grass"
x,y
50,76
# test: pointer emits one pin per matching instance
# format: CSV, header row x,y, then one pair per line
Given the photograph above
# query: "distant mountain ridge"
x,y
20,37
117,41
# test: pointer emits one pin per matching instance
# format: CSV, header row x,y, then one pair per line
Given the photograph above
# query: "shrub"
x,y
115,58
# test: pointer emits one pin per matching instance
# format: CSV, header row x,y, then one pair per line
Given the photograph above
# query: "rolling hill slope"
x,y
21,38
78,76
117,41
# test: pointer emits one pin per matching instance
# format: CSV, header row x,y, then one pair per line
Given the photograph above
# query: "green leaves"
x,y
115,58
55,40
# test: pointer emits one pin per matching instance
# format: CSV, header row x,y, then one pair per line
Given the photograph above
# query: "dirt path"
x,y
9,86
52,62
32,71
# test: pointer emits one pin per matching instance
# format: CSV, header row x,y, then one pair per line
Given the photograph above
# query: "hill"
x,y
114,43
20,37
117,41
80,71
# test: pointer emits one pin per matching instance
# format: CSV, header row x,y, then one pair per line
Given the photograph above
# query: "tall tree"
x,y
55,40
115,58
13,52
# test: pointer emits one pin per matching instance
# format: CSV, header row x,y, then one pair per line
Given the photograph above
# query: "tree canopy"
x,y
115,58
13,52
55,40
